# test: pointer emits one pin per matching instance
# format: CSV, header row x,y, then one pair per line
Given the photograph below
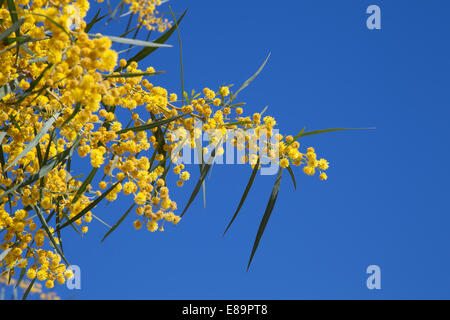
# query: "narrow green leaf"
x,y
292,176
12,11
310,133
133,42
58,223
331,130
267,213
2,157
264,110
244,196
2,135
22,274
248,81
136,32
238,123
128,32
47,151
38,151
4,253
181,54
25,294
127,29
133,74
198,142
114,227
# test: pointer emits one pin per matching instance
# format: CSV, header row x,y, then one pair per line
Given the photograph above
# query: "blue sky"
x,y
384,202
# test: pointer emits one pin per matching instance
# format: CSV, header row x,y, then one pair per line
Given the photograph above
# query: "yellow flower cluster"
x,y
61,98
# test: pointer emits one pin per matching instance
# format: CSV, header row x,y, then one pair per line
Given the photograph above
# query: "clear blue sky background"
x,y
384,202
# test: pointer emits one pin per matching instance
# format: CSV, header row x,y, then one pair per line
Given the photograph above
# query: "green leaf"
x,y
331,130
198,143
144,52
114,227
133,42
25,294
264,110
151,125
36,140
49,234
2,157
4,253
12,11
47,151
248,81
58,223
310,133
238,123
38,151
89,207
292,176
133,74
128,31
244,196
181,55
267,213
22,274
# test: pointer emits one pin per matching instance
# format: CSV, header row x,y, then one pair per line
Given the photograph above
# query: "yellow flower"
x,y
173,97
284,163
224,91
137,224
185,175
49,284
323,164
152,226
31,273
140,198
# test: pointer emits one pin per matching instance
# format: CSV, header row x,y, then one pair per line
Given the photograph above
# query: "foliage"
x,y
65,93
